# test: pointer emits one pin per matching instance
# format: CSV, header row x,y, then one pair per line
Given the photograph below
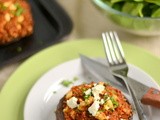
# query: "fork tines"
x,y
113,48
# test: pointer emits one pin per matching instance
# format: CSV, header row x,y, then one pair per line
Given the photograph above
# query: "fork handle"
x,y
152,97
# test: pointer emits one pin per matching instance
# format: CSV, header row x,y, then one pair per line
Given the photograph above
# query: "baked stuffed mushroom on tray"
x,y
16,20
94,101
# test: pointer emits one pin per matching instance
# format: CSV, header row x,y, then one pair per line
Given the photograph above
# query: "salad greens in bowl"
x,y
140,17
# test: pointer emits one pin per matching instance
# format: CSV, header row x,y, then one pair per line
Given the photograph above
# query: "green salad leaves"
x,y
140,8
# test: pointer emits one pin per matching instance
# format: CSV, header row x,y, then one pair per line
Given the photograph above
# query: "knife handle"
x,y
152,97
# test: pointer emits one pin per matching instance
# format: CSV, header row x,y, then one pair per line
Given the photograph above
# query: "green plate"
x,y
14,92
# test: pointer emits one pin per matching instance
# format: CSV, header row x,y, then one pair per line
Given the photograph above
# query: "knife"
x,y
146,94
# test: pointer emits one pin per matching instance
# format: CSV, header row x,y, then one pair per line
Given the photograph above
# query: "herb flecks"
x,y
13,8
19,9
115,103
66,83
86,96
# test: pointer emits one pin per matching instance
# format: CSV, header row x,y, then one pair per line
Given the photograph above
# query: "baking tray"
x,y
51,23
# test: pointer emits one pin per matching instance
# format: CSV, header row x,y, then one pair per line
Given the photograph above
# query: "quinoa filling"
x,y
96,101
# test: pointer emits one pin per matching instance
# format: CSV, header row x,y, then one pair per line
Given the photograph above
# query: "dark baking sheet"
x,y
51,24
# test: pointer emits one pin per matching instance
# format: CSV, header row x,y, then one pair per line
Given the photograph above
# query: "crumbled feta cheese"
x,y
96,90
102,101
96,96
88,92
94,84
94,108
72,102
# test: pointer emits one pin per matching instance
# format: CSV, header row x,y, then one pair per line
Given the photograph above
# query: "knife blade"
x,y
146,94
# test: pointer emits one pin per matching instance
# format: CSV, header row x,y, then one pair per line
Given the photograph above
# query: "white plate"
x,y
42,99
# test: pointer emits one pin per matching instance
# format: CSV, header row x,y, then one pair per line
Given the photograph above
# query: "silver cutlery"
x,y
99,69
92,68
117,64
139,91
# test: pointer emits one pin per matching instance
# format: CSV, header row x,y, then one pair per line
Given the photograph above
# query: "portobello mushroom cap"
x,y
59,112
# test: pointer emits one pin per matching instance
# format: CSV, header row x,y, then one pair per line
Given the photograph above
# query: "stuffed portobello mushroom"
x,y
94,101
16,20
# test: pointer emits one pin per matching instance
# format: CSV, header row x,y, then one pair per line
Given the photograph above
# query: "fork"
x,y
118,66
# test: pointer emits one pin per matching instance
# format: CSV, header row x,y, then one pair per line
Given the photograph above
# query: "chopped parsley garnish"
x,y
54,92
86,96
115,103
19,9
86,93
66,83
